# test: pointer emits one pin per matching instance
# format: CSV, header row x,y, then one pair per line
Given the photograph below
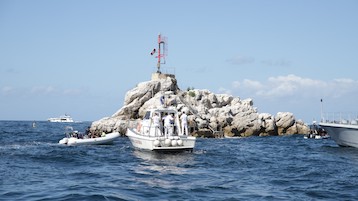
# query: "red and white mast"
x,y
162,51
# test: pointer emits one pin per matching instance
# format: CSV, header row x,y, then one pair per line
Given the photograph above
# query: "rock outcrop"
x,y
208,113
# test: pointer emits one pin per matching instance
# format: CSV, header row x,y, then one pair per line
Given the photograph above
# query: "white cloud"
x,y
346,81
252,84
293,85
43,90
224,91
236,84
343,86
7,90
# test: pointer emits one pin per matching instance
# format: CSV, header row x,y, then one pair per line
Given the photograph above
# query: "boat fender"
x,y
156,143
180,142
167,142
174,143
139,126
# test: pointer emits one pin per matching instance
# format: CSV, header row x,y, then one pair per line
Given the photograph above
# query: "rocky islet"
x,y
208,113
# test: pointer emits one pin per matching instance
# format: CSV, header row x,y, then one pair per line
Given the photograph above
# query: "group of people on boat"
x,y
316,132
168,121
87,134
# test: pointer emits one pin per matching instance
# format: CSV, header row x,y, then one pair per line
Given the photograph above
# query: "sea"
x,y
33,166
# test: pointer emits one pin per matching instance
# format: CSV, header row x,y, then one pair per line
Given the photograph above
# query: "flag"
x,y
153,51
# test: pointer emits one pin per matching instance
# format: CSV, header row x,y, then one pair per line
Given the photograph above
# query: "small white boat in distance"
x,y
316,132
77,138
343,132
148,136
64,118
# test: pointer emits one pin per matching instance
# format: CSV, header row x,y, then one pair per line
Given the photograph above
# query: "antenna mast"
x,y
162,51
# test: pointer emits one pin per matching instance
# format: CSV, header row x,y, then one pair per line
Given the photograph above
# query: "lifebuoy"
x,y
139,127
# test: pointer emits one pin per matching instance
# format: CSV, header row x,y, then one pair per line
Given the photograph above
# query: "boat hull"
x,y
108,139
342,134
161,144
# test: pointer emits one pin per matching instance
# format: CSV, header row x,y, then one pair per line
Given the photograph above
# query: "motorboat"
x,y
64,118
344,133
103,140
315,136
341,127
77,138
149,135
316,132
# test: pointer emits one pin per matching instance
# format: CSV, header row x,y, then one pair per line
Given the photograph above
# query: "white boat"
x,y
64,118
315,136
344,133
147,136
316,132
77,138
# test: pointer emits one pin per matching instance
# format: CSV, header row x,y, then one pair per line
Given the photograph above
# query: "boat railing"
x,y
340,118
158,131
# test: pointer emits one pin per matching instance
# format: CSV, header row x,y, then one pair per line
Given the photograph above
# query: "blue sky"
x,y
81,57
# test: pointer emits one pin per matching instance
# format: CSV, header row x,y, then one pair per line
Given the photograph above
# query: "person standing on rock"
x,y
184,123
162,101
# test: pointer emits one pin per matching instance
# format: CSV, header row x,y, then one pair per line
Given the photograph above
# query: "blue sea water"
x,y
35,167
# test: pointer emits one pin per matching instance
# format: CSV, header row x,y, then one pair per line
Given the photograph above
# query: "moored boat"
x,y
148,135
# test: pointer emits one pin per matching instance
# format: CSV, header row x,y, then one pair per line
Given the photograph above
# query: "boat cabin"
x,y
160,122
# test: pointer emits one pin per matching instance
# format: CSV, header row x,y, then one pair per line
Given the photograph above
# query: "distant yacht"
x,y
64,118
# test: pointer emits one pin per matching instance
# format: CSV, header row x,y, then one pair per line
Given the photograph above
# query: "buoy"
x,y
167,142
174,143
156,143
180,142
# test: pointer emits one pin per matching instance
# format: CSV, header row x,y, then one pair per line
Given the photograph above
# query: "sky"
x,y
81,57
